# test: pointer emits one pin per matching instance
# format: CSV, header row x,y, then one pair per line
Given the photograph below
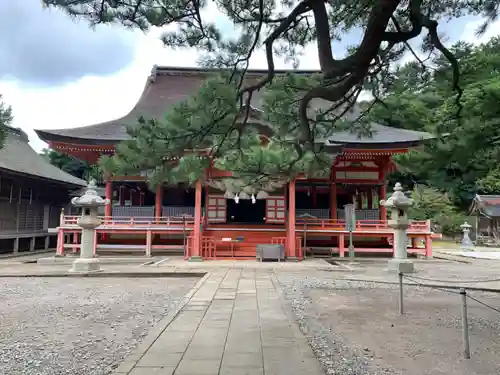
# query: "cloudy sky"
x,y
58,73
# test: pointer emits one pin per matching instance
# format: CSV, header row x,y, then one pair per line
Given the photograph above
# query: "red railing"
x,y
134,221
207,247
339,224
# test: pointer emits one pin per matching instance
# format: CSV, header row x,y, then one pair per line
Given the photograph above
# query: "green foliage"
x,y
429,203
5,119
462,159
71,165
229,33
217,119
490,184
255,146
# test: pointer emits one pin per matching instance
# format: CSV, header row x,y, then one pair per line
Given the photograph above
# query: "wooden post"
x,y
108,209
428,246
148,243
382,195
478,222
291,251
333,200
109,195
60,241
61,217
196,251
158,202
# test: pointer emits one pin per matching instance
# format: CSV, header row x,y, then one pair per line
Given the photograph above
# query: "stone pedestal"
x,y
466,243
88,221
401,266
399,204
85,265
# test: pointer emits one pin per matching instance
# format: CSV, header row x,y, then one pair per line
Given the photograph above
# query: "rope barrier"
x,y
484,304
456,281
431,286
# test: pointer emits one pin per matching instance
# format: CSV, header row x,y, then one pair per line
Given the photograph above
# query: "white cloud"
x,y
92,100
469,33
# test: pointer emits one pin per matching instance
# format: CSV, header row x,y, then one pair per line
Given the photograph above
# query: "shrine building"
x,y
305,215
32,193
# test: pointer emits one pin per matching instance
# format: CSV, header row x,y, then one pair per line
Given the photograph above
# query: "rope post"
x,y
401,309
465,324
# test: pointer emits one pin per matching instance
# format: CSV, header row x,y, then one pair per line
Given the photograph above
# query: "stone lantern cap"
x,y
90,198
398,199
465,225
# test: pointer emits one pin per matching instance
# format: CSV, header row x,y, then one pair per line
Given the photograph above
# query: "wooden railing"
x,y
134,221
339,224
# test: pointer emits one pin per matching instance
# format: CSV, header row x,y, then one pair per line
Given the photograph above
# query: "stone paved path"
x,y
233,323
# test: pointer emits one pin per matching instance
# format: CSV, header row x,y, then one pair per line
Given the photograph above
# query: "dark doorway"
x,y
343,199
246,212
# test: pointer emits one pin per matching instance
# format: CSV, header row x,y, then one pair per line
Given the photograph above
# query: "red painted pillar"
x,y
341,245
333,200
196,251
158,202
291,240
109,195
428,246
382,191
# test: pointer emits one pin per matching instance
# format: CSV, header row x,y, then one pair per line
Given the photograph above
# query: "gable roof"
x,y
487,205
17,156
170,85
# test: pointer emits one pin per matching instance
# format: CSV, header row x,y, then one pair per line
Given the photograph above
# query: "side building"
x,y
302,214
32,193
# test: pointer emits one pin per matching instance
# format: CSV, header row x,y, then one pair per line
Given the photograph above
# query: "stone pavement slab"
x,y
233,323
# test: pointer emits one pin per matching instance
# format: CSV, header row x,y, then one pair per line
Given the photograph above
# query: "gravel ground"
x,y
51,326
354,328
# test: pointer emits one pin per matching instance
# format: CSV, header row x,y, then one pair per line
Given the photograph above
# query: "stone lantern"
x,y
466,241
398,203
90,201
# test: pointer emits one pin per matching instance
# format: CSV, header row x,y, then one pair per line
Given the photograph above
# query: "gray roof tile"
x,y
488,205
18,156
168,86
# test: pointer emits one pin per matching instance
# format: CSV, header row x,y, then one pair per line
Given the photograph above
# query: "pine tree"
x,y
216,119
5,119
178,148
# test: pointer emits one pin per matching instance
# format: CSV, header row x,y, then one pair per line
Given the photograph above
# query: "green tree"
x,y
468,151
71,165
431,204
222,119
5,119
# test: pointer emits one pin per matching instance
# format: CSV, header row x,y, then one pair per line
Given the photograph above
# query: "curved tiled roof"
x,y
487,205
17,156
167,86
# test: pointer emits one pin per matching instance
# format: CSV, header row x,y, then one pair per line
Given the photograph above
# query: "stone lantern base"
x,y
401,266
85,265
